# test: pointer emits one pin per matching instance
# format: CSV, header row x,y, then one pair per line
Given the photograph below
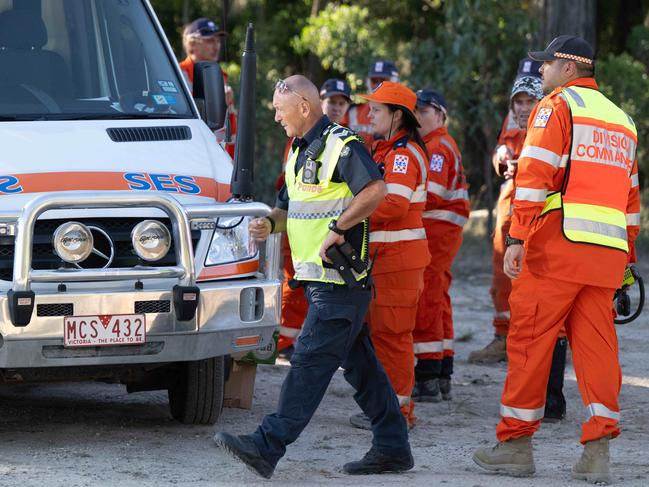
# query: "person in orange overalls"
x,y
397,239
202,42
359,115
335,97
576,217
447,210
524,96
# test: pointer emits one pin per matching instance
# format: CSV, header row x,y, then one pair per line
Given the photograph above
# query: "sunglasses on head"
x,y
283,88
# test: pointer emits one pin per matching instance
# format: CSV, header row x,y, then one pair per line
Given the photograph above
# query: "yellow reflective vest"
x,y
312,206
598,174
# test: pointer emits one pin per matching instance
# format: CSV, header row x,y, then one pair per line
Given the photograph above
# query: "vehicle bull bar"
x,y
186,293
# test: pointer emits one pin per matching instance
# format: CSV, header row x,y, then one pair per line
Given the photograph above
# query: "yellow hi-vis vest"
x,y
598,173
312,206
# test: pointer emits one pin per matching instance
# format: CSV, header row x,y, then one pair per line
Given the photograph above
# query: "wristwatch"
x,y
513,241
334,227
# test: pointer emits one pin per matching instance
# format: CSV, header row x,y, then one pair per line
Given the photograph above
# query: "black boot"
x,y
555,402
427,380
445,378
376,461
243,449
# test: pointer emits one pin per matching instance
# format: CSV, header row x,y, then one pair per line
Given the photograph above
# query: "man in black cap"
x,y
359,120
575,219
336,96
202,42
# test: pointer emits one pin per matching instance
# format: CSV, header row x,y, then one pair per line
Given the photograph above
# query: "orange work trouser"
x,y
392,316
540,307
433,334
294,305
501,285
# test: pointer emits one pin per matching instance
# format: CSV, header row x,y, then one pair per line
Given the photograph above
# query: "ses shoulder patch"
x,y
345,152
437,162
542,117
400,164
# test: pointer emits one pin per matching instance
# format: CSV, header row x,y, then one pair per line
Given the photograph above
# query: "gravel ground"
x,y
97,434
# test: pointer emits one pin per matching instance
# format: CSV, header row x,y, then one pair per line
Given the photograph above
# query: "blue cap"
x,y
528,67
384,69
333,87
430,97
203,27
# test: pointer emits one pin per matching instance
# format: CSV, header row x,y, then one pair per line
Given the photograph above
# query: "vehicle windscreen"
x,y
84,59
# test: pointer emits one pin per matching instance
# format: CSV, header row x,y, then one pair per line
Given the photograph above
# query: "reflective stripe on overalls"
x,y
602,156
312,206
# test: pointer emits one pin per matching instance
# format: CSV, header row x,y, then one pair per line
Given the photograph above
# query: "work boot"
x,y
493,353
243,449
445,388
428,391
375,462
416,392
445,378
361,421
555,403
512,457
593,464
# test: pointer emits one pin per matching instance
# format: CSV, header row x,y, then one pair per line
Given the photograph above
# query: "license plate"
x,y
103,330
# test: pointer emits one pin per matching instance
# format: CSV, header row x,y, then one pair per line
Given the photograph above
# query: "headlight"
x,y
73,242
231,242
151,240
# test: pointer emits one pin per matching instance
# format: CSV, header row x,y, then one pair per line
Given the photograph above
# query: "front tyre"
x,y
196,397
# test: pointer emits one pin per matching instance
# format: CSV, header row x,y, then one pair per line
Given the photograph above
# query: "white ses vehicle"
x,y
120,259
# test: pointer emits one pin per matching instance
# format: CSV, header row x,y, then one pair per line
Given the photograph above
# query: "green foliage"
x,y
346,39
625,81
468,49
638,43
470,55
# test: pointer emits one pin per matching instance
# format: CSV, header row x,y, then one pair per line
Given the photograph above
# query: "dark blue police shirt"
x,y
357,169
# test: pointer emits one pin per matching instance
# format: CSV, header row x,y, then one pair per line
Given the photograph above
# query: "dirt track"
x,y
96,434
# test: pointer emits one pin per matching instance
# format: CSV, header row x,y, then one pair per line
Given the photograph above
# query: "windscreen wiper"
x,y
115,116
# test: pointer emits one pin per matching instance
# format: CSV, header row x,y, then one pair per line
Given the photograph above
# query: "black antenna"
x,y
243,177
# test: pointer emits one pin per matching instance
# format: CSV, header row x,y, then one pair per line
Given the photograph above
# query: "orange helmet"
x,y
392,93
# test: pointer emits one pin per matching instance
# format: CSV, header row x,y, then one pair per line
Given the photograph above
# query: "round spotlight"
x,y
73,242
151,240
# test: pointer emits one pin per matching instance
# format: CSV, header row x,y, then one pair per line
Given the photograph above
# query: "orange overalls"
x,y
512,137
563,283
447,210
187,66
400,254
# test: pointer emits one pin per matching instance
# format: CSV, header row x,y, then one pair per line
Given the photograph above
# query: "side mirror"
x,y
209,94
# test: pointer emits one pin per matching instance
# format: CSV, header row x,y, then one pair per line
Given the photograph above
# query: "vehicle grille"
x,y
149,134
162,306
119,230
55,309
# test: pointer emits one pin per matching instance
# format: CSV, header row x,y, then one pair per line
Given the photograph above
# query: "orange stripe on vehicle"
x,y
247,341
227,270
111,181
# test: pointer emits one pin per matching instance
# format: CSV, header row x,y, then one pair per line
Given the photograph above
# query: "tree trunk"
x,y
185,12
314,69
577,17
